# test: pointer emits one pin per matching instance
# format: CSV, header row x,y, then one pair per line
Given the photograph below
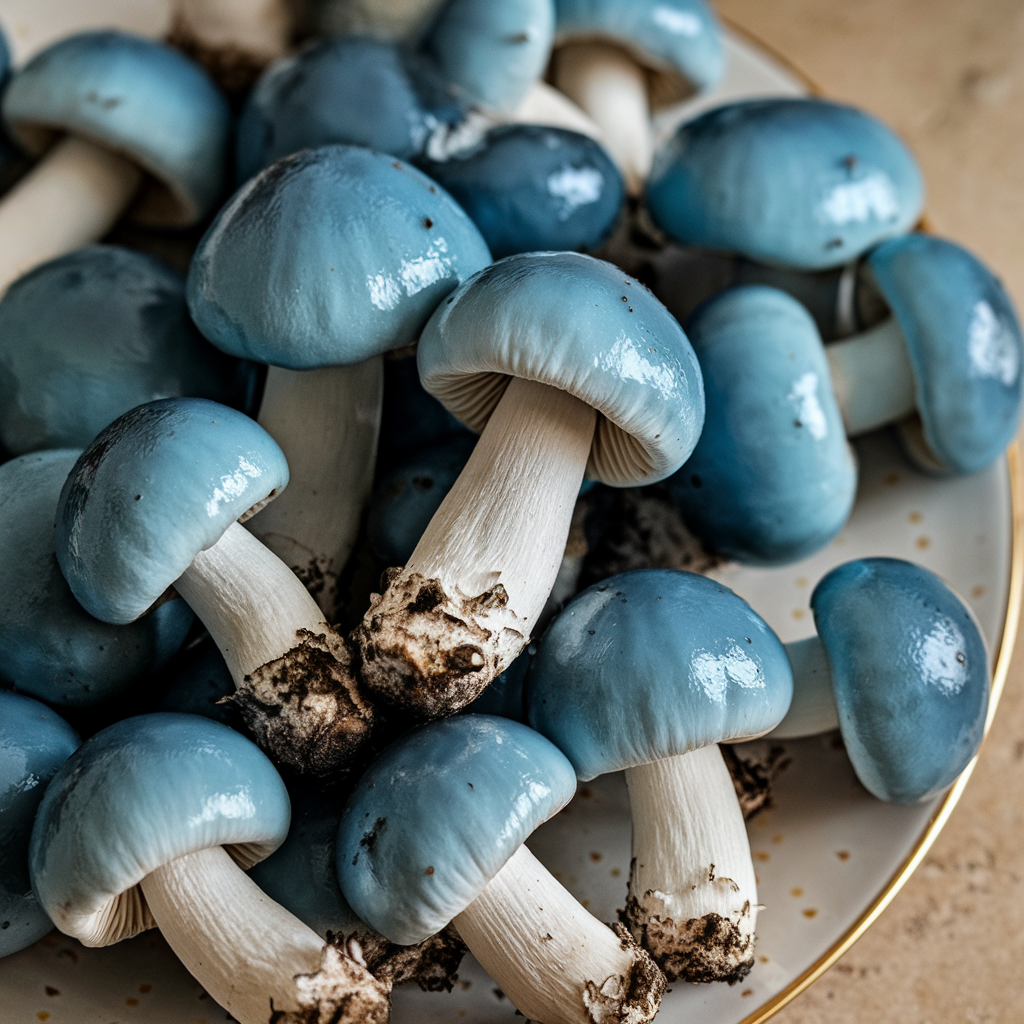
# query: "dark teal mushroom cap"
x,y
800,182
90,335
50,647
134,797
438,814
909,672
197,681
34,743
965,346
585,327
530,188
328,257
681,36
772,478
160,484
654,663
491,53
138,98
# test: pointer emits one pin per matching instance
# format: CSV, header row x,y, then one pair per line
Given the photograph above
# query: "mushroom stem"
x,y
872,377
257,30
71,198
545,105
256,959
465,605
556,962
692,892
295,690
612,89
813,709
326,422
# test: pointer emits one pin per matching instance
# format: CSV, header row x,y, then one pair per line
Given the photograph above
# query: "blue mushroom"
x,y
34,743
530,188
153,821
49,646
130,109
772,478
801,182
408,869
900,666
566,365
155,501
90,335
198,682
647,672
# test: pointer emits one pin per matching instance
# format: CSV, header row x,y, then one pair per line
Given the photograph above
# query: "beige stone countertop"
x,y
948,75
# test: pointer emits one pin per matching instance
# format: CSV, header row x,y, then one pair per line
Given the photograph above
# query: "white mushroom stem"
x,y
465,605
295,690
259,29
326,422
872,377
70,199
555,961
813,709
545,105
252,955
611,88
692,890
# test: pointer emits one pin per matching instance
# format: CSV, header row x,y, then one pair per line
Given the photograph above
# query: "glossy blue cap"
x,y
654,663
329,257
160,484
800,182
965,345
772,478
139,98
909,672
583,326
438,814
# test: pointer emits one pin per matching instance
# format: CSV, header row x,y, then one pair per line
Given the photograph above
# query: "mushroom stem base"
x,y
556,962
255,958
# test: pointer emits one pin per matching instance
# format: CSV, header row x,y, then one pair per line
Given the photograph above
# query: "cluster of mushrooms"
x,y
316,786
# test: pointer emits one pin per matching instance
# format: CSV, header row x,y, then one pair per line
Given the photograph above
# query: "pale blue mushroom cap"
x,y
801,182
34,743
965,346
909,672
139,98
90,335
50,647
438,814
328,257
531,187
772,478
583,326
651,664
160,484
136,796
492,53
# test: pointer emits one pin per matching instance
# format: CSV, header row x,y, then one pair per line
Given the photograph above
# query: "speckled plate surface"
x,y
829,857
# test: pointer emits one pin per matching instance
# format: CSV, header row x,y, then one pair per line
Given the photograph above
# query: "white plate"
x,y
829,856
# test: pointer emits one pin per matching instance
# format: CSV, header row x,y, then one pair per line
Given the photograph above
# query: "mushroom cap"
x,y
343,90
34,743
136,796
772,478
90,335
681,37
160,484
492,53
328,257
654,663
964,342
50,647
909,672
505,694
583,326
530,188
438,814
139,98
197,680
802,182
